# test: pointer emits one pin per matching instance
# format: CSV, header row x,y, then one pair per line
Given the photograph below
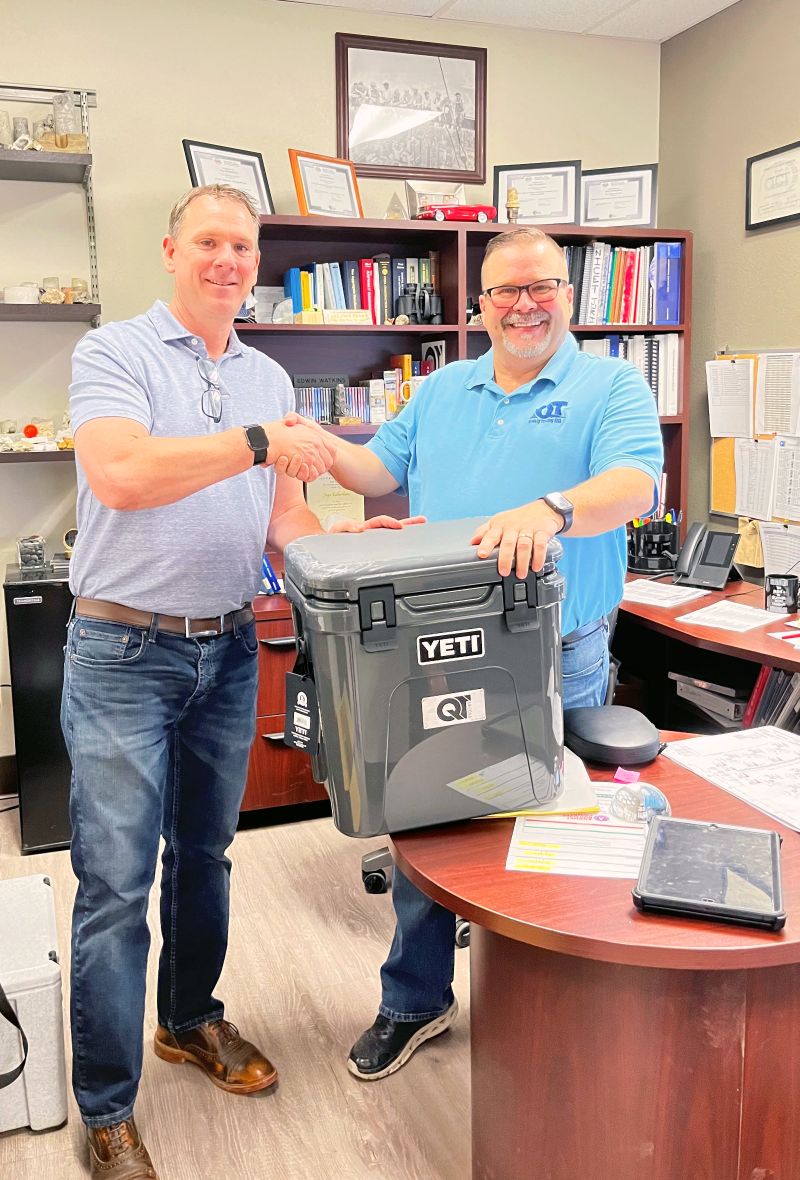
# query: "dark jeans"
x,y
417,976
159,730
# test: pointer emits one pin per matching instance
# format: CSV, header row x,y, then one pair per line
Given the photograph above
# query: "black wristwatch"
x,y
258,443
564,507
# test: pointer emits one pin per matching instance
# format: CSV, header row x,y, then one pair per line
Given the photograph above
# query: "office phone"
x,y
706,557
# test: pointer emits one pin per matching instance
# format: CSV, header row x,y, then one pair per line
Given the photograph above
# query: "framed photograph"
x,y
773,187
210,163
619,196
428,192
326,186
546,194
411,108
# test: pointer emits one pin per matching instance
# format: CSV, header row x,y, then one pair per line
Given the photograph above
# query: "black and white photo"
x,y
411,108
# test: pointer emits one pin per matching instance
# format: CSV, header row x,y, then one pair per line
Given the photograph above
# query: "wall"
x,y
259,76
730,89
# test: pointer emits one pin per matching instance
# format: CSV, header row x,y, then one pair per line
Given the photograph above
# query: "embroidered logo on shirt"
x,y
552,412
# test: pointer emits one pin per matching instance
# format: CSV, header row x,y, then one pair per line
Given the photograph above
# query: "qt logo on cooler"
x,y
453,708
450,646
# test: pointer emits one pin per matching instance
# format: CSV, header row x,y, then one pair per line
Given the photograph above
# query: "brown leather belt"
x,y
114,612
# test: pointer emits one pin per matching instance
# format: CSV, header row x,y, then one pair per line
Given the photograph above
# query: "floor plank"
x,y
301,979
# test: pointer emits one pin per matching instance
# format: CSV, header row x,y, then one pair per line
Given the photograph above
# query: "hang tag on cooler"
x,y
301,728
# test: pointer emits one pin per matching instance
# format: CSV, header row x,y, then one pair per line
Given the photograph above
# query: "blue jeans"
x,y
417,976
159,730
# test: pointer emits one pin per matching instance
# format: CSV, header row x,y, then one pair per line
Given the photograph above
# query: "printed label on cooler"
x,y
448,646
453,708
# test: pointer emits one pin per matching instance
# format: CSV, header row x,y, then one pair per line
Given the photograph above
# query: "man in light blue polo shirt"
x,y
546,440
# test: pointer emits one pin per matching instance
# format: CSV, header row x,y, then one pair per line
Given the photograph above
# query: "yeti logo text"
x,y
552,412
454,645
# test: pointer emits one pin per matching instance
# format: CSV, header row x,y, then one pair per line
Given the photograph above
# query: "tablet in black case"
x,y
706,870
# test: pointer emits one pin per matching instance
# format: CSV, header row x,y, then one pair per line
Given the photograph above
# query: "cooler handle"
x,y
6,1079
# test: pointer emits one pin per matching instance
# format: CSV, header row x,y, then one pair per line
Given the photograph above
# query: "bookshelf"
x,y
361,351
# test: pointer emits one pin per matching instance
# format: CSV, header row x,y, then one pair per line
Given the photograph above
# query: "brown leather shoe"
x,y
231,1063
117,1153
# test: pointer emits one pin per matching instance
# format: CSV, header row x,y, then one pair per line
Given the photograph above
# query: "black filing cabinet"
x,y
38,605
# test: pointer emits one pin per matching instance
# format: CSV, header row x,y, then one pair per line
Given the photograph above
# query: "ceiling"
x,y
639,20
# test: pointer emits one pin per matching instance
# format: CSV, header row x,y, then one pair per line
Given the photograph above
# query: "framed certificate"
x,y
326,186
541,194
210,163
773,187
619,196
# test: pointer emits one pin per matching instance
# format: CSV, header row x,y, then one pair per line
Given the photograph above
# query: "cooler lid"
x,y
336,566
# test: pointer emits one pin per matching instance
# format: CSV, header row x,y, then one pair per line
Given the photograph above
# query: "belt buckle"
x,y
202,634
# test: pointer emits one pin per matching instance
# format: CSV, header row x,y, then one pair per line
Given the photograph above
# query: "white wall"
x,y
259,76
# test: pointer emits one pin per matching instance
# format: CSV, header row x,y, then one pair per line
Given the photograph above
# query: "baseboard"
x,y
8,774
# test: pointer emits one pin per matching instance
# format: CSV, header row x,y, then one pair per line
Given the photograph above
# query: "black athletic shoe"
x,y
388,1044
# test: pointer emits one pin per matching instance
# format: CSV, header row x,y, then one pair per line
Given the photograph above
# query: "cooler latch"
x,y
520,602
377,618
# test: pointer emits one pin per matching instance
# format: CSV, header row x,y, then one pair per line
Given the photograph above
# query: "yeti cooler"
x,y
431,685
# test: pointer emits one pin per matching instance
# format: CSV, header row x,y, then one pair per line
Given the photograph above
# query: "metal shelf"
x,y
48,312
37,457
55,167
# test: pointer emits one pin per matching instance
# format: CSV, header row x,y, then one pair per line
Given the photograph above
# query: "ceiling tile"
x,y
653,20
569,16
388,7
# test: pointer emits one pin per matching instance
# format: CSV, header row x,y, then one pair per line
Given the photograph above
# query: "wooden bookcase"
x,y
363,351
279,776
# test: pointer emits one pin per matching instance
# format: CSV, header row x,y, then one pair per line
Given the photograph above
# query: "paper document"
x,y
786,499
781,545
754,462
507,786
730,616
730,397
777,393
598,845
757,765
660,594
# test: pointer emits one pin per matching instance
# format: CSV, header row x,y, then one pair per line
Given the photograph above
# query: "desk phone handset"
x,y
706,557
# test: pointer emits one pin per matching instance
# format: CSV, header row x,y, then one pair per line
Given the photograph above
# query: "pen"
x,y
268,577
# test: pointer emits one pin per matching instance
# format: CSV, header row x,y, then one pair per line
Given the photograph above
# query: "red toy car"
x,y
457,213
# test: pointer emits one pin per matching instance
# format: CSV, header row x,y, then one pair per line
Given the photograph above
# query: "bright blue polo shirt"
x,y
463,447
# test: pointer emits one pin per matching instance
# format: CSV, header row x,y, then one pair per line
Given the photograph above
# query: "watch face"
x,y
69,538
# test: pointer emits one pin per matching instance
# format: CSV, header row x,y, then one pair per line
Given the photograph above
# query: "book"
x,y
365,273
398,279
667,282
384,303
292,289
338,286
726,690
721,706
755,695
424,271
412,270
352,285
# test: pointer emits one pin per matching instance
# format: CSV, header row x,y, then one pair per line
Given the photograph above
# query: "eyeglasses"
x,y
211,400
543,291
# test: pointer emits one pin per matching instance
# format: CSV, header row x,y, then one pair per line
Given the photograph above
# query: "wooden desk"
x,y
649,641
608,1045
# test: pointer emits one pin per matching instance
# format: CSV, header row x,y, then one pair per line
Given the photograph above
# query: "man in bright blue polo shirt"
x,y
546,440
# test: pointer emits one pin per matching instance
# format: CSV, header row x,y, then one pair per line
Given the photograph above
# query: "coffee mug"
x,y
781,593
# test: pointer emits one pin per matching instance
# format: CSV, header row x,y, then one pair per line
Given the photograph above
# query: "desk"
x,y
608,1045
649,641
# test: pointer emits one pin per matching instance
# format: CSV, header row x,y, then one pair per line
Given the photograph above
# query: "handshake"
x,y
299,447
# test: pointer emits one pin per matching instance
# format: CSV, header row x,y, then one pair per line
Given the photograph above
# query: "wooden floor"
x,y
301,979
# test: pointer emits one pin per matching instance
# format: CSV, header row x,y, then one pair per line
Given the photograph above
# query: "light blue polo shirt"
x,y
463,447
202,555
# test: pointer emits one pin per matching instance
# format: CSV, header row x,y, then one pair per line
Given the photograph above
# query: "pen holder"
x,y
653,546
781,593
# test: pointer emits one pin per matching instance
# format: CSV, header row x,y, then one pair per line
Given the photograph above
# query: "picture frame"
x,y
549,192
772,187
429,192
211,163
619,196
326,186
411,109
